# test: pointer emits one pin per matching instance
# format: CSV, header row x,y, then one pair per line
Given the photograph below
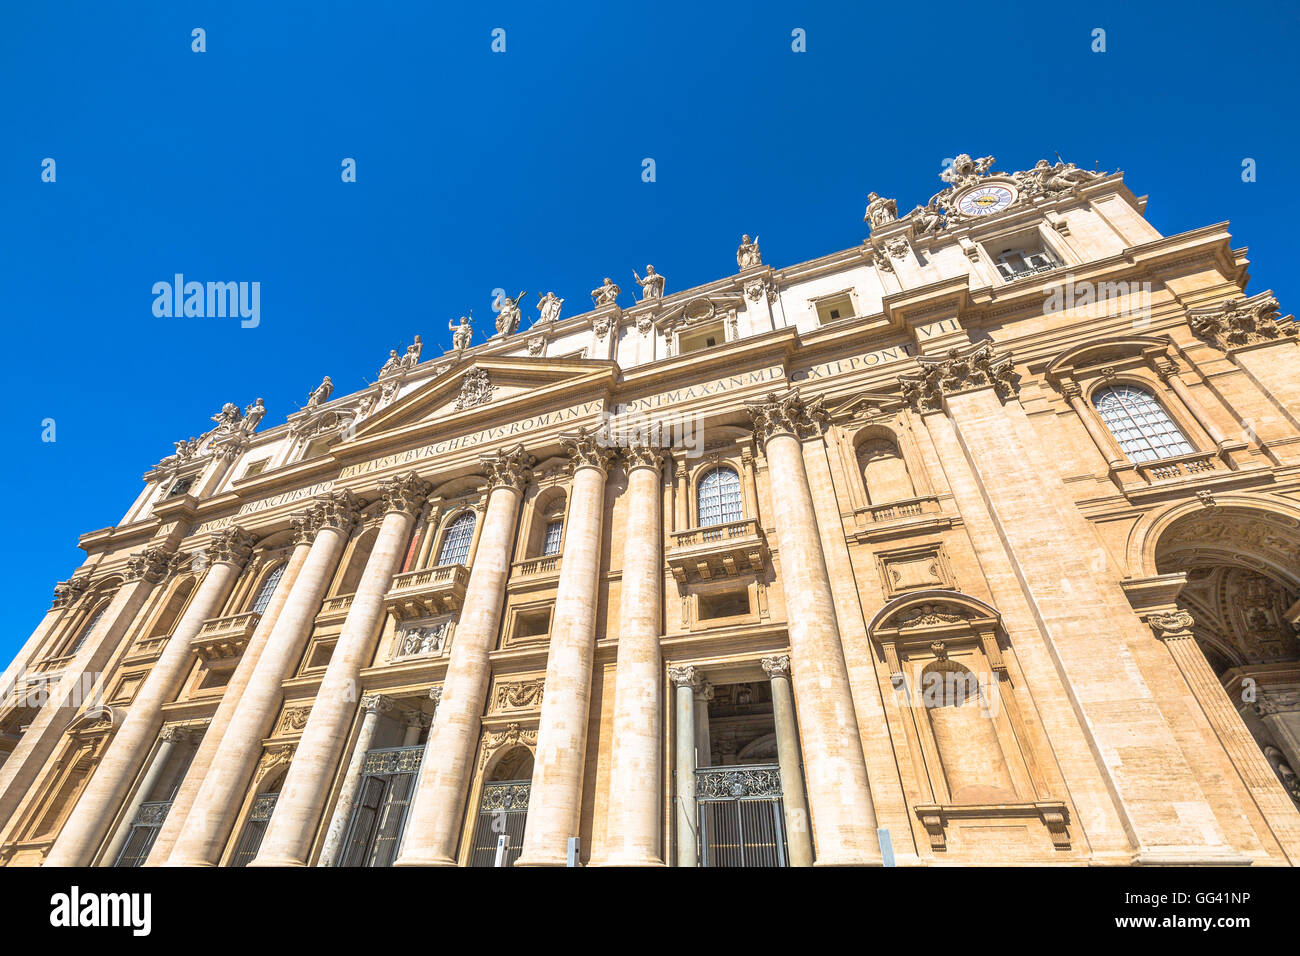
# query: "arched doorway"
x,y
503,807
1242,566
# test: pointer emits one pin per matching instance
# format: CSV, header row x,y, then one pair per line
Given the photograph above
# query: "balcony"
x,y
223,639
334,610
1184,466
427,592
717,551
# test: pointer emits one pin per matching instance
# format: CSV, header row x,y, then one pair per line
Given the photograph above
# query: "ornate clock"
x,y
986,200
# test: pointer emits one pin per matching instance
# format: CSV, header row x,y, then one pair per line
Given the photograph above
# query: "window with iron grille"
x,y
90,626
719,497
455,543
267,589
1143,429
551,539
250,841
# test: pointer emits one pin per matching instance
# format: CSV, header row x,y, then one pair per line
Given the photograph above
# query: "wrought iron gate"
x,y
144,830
502,810
251,839
741,815
388,777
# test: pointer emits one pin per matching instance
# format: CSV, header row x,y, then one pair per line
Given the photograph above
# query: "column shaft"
x,y
103,796
555,799
302,798
374,706
687,845
207,827
434,820
842,812
201,762
151,778
798,836
633,837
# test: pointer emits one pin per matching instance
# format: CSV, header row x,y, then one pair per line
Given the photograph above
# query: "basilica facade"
x,y
975,543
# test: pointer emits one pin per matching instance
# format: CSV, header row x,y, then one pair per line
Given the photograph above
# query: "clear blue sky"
x,y
521,170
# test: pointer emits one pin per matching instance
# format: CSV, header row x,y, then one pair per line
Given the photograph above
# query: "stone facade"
x,y
984,534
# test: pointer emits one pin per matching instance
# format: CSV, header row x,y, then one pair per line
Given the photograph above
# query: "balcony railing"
x,y
335,609
894,510
716,550
427,592
549,564
224,638
1184,466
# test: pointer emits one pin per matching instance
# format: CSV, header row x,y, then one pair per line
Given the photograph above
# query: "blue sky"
x,y
522,170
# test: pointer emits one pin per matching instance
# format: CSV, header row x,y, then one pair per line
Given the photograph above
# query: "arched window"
x,y
719,497
1143,429
455,543
267,589
87,628
884,472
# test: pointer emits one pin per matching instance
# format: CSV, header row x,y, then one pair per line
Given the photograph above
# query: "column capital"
x,y
178,733
786,414
303,530
587,448
151,565
417,718
639,453
981,367
404,494
703,690
67,592
1166,368
335,509
508,468
1071,390
1170,625
778,666
1236,322
435,695
232,546
376,704
684,676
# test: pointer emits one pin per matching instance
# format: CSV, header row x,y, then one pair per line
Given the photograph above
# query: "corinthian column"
x,y
685,681
435,813
555,798
208,824
843,816
143,571
302,798
374,706
86,827
633,834
201,762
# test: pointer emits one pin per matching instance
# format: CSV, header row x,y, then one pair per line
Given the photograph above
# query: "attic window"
x,y
181,487
833,308
318,447
705,337
256,467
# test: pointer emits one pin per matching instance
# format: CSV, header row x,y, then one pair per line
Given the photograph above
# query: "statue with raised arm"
x,y
322,393
549,308
253,415
508,317
461,334
606,293
652,286
748,254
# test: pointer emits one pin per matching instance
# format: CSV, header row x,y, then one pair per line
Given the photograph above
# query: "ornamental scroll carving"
x,y
335,509
293,721
787,414
67,592
518,695
587,449
151,565
1240,322
512,735
274,757
1171,624
981,368
231,545
476,389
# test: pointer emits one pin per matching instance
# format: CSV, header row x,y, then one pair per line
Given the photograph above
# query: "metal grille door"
x,y
251,840
379,817
741,816
503,810
144,830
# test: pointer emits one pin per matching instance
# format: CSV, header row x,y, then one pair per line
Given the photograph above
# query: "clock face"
x,y
986,200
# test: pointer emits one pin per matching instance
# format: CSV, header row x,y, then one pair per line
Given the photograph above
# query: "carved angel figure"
x,y
652,286
549,308
880,211
606,294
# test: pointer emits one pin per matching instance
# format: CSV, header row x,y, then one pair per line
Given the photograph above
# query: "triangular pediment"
x,y
867,405
487,385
